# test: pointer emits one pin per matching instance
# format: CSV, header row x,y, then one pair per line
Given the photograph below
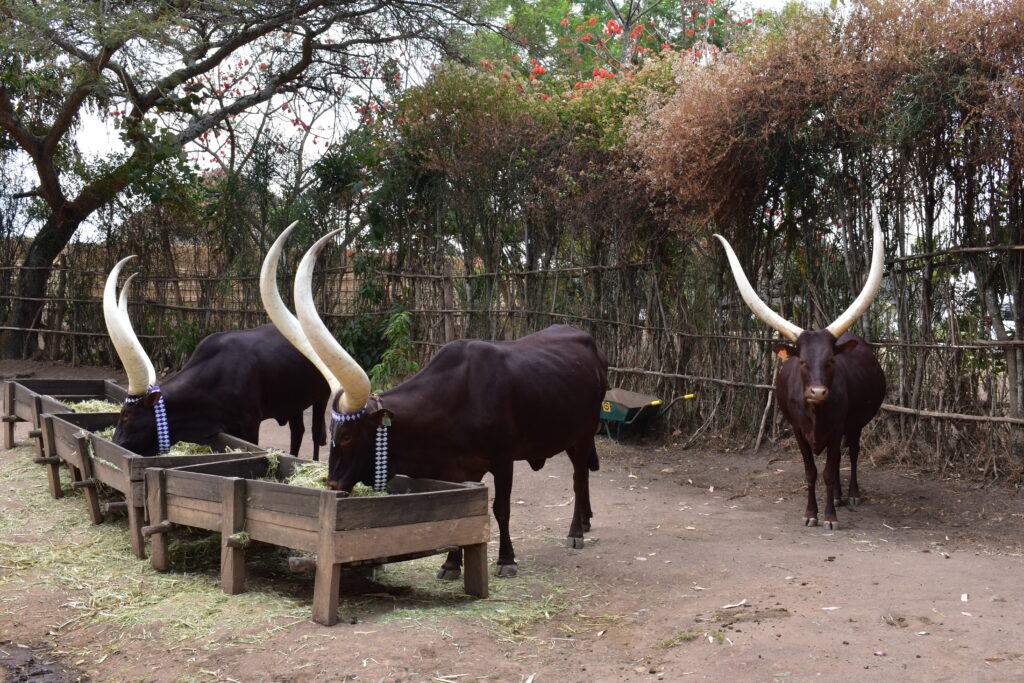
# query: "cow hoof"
x,y
838,502
506,570
810,521
449,574
830,526
574,542
854,501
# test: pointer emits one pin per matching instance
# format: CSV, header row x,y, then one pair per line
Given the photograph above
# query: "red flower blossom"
x,y
593,20
564,22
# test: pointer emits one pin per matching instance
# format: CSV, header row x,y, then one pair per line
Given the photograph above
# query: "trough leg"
x,y
37,426
136,517
92,497
327,582
9,418
156,502
232,554
474,580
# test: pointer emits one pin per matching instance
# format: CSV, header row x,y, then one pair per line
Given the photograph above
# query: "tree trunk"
x,y
32,279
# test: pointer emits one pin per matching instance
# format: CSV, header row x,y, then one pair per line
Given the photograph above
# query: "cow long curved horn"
x,y
341,365
122,305
286,323
874,281
760,308
136,363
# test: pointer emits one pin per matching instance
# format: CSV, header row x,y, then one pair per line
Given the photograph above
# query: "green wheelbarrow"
x,y
621,407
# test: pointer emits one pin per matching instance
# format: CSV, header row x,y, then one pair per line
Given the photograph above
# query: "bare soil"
x,y
697,567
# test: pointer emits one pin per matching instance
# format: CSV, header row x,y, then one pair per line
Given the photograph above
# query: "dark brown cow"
x,y
476,408
829,388
232,382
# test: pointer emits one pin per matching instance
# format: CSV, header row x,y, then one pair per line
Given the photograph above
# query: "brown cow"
x,y
475,408
829,387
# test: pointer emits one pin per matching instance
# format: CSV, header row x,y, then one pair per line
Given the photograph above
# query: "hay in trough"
x,y
107,433
94,405
314,475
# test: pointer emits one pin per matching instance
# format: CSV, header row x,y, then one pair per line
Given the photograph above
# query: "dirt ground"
x,y
697,567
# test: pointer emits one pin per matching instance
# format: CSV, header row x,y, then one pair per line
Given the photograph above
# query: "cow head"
x,y
136,427
355,423
816,349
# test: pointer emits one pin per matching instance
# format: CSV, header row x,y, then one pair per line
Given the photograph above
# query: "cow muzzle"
x,y
816,394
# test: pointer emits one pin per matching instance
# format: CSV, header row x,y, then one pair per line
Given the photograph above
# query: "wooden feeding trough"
x,y
93,459
26,400
420,517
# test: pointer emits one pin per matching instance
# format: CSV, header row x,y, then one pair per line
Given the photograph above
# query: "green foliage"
x,y
399,360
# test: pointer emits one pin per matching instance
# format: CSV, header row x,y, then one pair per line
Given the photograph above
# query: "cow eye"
x,y
345,440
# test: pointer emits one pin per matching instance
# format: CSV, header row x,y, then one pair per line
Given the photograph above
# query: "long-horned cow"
x,y
829,387
232,382
476,407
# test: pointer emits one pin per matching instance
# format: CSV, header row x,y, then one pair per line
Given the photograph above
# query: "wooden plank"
x,y
137,464
290,522
58,387
23,401
232,558
192,485
106,472
400,483
114,392
226,441
204,506
371,511
237,465
284,499
364,544
115,456
156,505
280,535
48,404
37,421
193,518
327,583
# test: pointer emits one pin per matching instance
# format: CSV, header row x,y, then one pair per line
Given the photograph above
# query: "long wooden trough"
x,y
26,400
93,459
240,499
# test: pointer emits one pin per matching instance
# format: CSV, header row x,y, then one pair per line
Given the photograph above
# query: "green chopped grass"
x,y
94,405
188,448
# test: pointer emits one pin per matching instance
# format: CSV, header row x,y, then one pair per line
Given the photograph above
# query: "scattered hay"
x,y
94,405
100,584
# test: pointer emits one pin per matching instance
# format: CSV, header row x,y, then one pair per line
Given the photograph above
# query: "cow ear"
x,y
151,398
785,351
846,346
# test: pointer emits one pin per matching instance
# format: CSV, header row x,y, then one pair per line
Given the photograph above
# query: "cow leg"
x,y
853,444
318,426
831,476
502,509
811,476
297,430
452,567
580,456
